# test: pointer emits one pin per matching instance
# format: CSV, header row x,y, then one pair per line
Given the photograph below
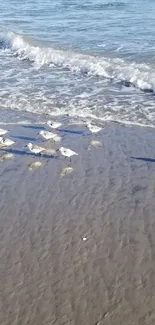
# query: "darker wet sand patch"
x,y
48,273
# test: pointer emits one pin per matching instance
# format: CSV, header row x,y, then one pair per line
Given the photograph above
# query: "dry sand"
x,y
49,275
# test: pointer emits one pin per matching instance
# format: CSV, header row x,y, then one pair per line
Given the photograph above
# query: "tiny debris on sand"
x,y
6,156
35,164
66,171
95,143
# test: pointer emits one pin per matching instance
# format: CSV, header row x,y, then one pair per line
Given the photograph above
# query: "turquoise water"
x,y
88,59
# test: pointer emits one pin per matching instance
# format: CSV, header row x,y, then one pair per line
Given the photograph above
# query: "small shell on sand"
x,y
35,164
66,171
95,143
6,156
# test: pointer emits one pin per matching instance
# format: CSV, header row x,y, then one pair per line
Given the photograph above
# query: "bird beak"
x,y
57,150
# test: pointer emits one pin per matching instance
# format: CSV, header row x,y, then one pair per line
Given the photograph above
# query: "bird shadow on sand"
x,y
24,138
72,131
144,159
34,127
25,153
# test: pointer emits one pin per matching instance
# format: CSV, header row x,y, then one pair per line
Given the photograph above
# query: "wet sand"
x,y
48,273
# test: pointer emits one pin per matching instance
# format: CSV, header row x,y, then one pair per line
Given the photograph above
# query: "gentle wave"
x,y
99,6
138,75
131,74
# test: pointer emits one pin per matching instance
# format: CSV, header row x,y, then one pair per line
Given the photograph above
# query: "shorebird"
x,y
50,136
93,128
54,125
34,148
2,131
67,152
6,142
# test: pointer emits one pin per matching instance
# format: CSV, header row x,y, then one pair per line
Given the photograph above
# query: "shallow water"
x,y
89,59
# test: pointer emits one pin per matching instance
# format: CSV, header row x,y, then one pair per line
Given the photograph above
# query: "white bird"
x,y
35,149
50,136
6,142
67,152
54,125
93,128
2,131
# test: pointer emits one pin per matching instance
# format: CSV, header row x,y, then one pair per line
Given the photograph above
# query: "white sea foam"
x,y
130,73
68,84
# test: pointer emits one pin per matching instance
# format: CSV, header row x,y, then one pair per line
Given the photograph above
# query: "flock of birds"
x,y
48,135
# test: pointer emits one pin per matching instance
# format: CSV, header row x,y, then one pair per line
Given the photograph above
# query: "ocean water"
x,y
87,59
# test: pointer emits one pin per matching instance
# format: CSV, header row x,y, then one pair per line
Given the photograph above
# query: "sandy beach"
x,y
48,273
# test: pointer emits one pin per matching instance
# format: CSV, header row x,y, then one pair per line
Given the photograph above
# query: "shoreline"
x,y
48,273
